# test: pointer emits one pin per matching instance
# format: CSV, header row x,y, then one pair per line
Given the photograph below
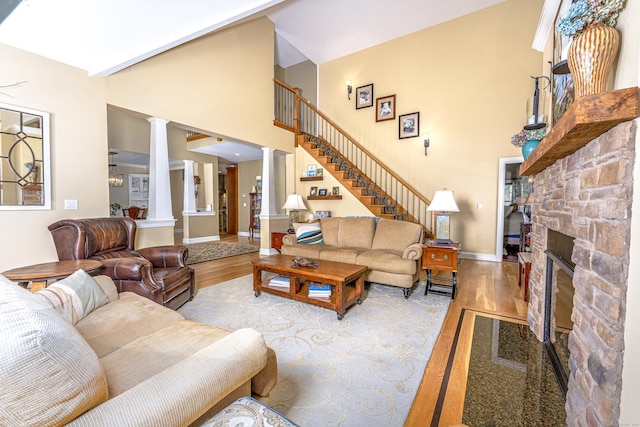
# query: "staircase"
x,y
378,188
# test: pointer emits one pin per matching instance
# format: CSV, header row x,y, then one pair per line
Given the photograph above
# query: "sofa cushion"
x,y
356,232
49,374
385,260
396,235
347,255
74,297
169,345
330,227
120,322
308,233
309,251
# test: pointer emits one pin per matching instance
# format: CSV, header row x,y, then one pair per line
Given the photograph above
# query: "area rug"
x,y
363,370
207,251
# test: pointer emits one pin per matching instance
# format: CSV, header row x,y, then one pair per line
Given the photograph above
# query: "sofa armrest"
x,y
182,393
289,239
165,256
413,252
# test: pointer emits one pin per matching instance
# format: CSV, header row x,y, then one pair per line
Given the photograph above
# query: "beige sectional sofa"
x,y
390,249
128,362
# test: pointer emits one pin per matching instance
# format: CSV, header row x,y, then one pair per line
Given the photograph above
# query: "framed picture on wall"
x,y
409,125
386,108
364,96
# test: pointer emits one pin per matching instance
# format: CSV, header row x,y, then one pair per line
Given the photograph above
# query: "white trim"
x,y
503,161
545,24
155,223
273,216
480,257
268,251
247,234
199,213
201,239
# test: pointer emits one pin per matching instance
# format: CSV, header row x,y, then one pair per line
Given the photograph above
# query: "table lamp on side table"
x,y
442,203
295,204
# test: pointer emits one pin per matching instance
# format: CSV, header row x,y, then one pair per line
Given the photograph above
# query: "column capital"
x,y
158,119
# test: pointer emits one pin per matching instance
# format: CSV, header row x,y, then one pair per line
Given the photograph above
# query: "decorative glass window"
x,y
25,165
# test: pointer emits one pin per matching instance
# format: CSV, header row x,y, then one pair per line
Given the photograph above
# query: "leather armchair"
x,y
159,273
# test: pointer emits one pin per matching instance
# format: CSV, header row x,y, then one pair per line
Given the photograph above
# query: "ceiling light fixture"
x,y
115,179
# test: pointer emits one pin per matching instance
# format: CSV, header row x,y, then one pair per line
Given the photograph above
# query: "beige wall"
x,y
304,77
219,83
469,79
78,150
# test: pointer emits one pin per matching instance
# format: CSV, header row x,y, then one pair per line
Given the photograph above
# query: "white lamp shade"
x,y
443,201
294,202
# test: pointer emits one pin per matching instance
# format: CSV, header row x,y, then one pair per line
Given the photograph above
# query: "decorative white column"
x,y
159,181
189,196
268,181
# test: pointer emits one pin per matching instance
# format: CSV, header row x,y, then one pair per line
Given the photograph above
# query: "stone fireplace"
x,y
587,196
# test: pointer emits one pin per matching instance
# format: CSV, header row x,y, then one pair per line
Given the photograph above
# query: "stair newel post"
x,y
296,114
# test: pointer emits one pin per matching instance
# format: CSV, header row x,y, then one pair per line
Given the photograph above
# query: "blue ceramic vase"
x,y
529,146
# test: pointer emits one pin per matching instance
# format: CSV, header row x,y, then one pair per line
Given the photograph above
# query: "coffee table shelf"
x,y
346,280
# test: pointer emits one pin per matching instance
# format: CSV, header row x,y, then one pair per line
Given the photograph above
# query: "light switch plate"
x,y
71,204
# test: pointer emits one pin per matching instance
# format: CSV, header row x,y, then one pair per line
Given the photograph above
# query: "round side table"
x,y
40,274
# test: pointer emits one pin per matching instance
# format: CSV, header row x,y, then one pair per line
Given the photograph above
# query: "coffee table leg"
x,y
339,287
257,280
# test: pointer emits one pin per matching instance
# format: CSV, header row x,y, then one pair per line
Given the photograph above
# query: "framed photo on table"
x,y
386,108
364,96
409,125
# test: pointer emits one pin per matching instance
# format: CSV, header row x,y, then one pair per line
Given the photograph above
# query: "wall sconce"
x,y
349,89
425,136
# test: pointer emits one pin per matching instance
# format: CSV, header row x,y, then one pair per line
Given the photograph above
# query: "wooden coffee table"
x,y
40,274
337,274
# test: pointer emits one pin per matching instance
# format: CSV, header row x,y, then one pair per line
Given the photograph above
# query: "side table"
x,y
444,258
40,274
276,239
524,269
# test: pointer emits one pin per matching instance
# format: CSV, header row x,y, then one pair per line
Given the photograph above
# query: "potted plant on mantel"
x,y
595,42
528,140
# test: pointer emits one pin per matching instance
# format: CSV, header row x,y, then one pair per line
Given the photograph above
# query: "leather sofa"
x,y
127,362
391,249
159,273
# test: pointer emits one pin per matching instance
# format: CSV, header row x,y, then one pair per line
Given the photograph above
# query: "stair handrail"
x,y
296,121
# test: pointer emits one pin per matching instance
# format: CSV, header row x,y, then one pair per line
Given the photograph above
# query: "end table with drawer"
x,y
442,257
276,239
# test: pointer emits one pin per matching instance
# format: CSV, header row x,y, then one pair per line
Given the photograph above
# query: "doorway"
x,y
512,188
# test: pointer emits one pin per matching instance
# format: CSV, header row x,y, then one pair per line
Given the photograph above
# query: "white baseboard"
x,y
247,234
480,257
201,239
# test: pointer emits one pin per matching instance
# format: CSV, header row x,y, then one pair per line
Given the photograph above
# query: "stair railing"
x,y
294,113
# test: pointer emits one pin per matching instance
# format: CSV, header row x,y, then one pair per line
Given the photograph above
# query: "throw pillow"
x,y
48,372
75,296
309,233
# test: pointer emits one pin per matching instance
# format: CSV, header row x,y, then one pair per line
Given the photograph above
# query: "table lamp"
x,y
442,203
295,204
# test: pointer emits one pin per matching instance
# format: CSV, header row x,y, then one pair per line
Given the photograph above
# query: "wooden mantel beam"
x,y
588,117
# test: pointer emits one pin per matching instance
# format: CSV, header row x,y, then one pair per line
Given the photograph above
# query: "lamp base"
x,y
444,242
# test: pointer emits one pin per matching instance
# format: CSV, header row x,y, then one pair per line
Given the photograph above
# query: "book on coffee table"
x,y
280,282
319,290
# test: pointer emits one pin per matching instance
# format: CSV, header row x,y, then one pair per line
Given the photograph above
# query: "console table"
x,y
444,258
40,274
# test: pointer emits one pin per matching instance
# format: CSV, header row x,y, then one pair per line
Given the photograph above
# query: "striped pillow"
x,y
75,296
309,233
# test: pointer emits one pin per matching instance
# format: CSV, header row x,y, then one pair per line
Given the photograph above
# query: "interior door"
x,y
232,200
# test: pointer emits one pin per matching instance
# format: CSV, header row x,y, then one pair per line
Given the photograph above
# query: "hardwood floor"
x,y
486,287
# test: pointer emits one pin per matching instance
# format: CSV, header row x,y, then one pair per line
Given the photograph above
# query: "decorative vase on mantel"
x,y
591,55
529,146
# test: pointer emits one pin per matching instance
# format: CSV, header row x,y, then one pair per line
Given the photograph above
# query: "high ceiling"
x,y
105,36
